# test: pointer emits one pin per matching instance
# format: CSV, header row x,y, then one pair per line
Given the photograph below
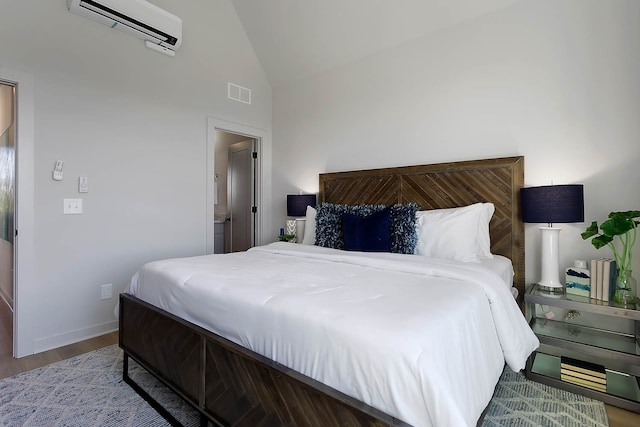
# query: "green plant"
x,y
286,237
620,224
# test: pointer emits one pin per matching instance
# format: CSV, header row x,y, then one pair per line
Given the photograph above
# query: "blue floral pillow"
x,y
329,231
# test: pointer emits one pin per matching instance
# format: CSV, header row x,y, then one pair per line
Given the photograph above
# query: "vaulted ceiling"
x,y
298,38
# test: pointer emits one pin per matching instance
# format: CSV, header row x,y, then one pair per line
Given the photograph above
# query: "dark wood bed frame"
x,y
232,386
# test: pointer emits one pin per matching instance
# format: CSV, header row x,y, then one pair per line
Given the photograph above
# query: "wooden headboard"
x,y
445,185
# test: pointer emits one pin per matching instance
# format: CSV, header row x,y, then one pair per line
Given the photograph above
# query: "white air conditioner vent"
x,y
160,30
239,93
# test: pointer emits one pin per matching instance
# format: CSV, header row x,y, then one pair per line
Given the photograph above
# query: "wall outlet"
x,y
72,206
106,291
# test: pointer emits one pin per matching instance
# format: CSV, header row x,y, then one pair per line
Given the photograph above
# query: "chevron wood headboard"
x,y
445,185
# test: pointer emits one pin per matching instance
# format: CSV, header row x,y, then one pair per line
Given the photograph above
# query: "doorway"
x,y
235,191
234,186
7,199
241,206
24,294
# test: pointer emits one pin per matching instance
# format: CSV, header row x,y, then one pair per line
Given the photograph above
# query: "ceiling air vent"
x,y
239,93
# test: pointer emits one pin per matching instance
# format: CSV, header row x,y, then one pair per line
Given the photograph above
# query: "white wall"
x,y
134,122
557,81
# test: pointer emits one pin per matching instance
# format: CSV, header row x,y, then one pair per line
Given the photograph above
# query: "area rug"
x,y
88,391
520,402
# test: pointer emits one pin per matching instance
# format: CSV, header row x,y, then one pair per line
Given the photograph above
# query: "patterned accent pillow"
x,y
329,233
404,235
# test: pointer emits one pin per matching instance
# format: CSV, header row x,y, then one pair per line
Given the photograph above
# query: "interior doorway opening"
x,y
7,213
234,186
235,191
7,190
24,293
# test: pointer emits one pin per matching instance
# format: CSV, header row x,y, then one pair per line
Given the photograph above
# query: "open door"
x,y
24,300
241,195
220,135
7,197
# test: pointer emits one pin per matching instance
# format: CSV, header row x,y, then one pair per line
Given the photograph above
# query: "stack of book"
x,y
585,374
603,279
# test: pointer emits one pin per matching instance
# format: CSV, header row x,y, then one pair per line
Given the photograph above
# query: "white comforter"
x,y
421,339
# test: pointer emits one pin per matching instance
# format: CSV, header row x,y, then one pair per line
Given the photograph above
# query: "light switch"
x,y
83,184
72,206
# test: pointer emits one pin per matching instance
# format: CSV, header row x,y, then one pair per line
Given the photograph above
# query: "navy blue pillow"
x,y
367,233
329,232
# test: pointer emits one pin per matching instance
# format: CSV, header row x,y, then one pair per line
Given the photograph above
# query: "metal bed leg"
x,y
150,400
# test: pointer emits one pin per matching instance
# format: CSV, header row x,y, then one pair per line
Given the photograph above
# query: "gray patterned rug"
x,y
88,391
520,402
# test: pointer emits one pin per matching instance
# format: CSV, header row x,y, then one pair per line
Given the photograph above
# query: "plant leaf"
x,y
592,230
625,214
616,225
601,241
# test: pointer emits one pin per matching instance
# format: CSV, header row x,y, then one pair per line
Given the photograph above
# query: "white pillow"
x,y
461,234
484,239
309,237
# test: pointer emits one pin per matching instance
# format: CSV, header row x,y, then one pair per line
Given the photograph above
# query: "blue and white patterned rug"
x,y
520,402
88,391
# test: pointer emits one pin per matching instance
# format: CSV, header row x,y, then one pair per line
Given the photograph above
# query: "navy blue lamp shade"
x,y
297,204
553,203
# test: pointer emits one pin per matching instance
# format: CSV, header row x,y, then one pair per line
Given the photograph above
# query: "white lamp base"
x,y
550,279
300,223
291,226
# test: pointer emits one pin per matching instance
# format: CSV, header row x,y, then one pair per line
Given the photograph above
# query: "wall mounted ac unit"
x,y
160,30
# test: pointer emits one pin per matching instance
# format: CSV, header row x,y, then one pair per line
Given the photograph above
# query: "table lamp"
x,y
552,203
297,208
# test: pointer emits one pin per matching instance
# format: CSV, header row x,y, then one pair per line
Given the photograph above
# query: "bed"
x,y
281,346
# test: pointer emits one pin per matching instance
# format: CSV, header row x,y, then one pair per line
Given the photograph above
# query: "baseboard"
x,y
72,337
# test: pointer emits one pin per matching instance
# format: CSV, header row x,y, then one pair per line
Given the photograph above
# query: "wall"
x,y
134,122
557,81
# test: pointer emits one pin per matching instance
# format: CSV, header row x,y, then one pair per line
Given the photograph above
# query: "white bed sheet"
x,y
421,339
502,266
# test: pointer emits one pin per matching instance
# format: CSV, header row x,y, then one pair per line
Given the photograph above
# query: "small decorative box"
x,y
578,279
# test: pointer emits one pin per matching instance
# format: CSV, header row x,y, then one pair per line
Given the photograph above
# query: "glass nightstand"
x,y
618,352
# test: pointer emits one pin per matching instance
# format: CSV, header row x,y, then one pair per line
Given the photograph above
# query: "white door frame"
x,y
263,143
23,275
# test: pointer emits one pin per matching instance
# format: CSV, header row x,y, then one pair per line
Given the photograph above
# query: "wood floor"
x,y
10,366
